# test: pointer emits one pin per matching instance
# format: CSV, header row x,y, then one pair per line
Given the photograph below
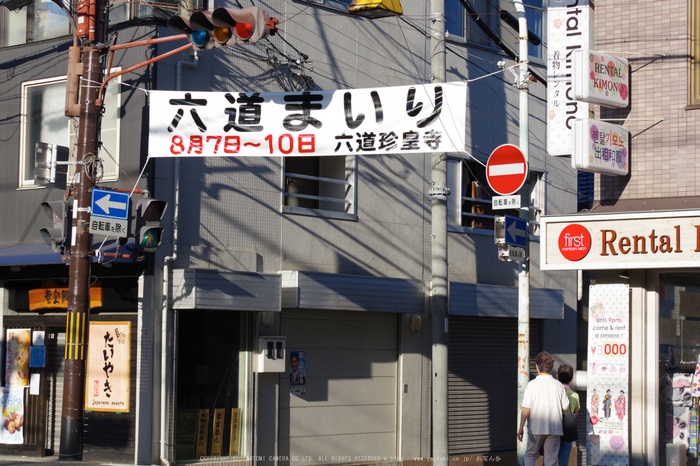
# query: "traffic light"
x,y
149,233
59,236
225,26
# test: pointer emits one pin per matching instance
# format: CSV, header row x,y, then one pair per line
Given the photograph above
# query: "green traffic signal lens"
x,y
200,38
150,238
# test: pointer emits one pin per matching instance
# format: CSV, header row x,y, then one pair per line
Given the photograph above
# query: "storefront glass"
x,y
211,385
679,348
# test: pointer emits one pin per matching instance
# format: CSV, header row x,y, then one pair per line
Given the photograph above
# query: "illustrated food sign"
x,y
386,120
569,28
108,365
17,357
12,427
600,147
621,241
601,78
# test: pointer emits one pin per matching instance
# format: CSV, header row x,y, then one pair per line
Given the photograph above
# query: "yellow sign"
x,y
202,433
108,367
234,449
217,435
57,298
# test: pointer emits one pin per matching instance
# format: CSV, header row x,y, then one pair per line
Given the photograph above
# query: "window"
x,y
44,120
459,25
38,21
320,186
470,200
694,48
534,13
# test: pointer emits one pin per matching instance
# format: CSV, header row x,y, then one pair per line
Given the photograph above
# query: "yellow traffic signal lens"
x,y
222,34
244,30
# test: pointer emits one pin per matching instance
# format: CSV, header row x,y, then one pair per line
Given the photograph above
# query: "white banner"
x,y
608,375
417,119
569,28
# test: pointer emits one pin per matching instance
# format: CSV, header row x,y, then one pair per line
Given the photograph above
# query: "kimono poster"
x,y
385,120
17,357
12,430
608,375
108,366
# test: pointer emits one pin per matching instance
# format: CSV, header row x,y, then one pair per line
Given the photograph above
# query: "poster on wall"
x,y
17,357
297,373
12,430
108,366
608,373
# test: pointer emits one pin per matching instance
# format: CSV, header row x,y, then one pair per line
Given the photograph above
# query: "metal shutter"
x,y
483,355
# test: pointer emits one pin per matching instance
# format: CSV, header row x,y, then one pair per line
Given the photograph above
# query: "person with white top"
x,y
544,402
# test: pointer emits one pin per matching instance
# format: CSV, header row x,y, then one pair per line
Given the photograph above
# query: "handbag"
x,y
570,428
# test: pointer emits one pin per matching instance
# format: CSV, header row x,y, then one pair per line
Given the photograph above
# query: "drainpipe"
x,y
166,285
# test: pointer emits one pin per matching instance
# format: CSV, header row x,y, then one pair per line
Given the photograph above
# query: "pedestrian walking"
x,y
543,405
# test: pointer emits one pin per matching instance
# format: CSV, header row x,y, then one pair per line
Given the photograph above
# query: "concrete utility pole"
x,y
524,275
439,285
78,321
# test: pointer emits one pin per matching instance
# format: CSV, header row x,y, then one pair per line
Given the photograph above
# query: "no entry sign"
x,y
506,169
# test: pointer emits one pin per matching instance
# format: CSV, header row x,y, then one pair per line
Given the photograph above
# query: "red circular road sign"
x,y
506,170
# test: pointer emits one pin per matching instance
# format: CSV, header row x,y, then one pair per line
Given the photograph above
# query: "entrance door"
x,y
210,385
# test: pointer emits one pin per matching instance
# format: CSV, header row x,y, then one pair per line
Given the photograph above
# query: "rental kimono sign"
x,y
386,120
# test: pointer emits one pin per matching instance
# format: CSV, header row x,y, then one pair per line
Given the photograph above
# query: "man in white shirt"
x,y
544,402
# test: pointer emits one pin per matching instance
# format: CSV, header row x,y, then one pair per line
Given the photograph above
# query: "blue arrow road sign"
x,y
110,204
516,231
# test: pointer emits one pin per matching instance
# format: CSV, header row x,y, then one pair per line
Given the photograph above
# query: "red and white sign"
x,y
574,242
506,170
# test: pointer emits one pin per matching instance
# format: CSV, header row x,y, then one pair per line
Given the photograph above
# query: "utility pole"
x,y
78,314
439,288
524,274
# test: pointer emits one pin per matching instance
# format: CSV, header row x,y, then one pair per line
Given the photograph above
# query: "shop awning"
x,y
41,254
473,299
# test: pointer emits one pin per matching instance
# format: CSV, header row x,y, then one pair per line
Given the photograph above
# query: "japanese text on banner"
x,y
406,119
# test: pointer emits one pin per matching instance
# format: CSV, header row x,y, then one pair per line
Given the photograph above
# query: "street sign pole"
x,y
524,274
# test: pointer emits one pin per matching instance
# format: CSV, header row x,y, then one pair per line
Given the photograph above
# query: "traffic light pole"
x,y
77,319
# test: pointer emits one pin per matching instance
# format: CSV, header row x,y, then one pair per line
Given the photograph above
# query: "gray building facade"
x,y
329,257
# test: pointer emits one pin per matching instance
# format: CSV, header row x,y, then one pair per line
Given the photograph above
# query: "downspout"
x,y
166,286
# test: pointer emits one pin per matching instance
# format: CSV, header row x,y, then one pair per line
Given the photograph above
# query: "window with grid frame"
x,y
470,200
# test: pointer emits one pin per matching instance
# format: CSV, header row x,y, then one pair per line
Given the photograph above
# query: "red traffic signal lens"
x,y
244,30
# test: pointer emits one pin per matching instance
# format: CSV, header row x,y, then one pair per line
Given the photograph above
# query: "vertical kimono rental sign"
x,y
386,120
108,367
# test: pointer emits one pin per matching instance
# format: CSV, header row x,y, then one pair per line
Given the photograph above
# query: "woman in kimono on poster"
x,y
607,403
621,405
595,401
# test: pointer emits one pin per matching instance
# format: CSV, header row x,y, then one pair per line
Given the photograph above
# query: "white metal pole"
x,y
524,275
